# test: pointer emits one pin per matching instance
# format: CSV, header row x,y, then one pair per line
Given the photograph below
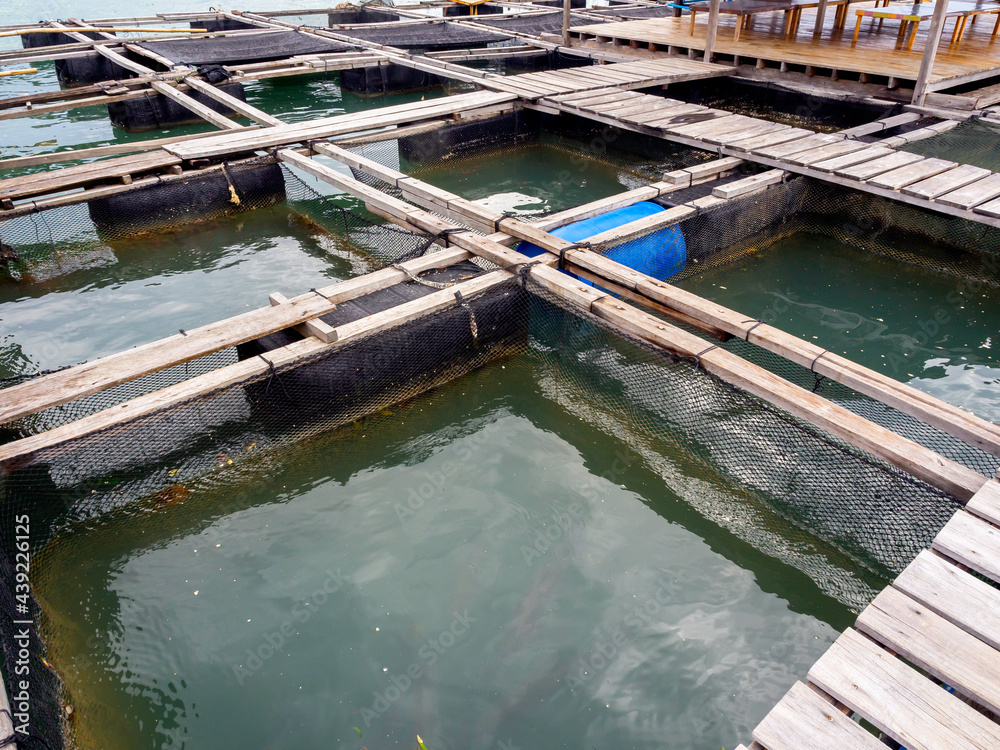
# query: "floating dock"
x,y
921,665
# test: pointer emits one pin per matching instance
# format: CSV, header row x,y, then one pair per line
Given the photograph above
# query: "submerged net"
x,y
60,240
847,520
243,48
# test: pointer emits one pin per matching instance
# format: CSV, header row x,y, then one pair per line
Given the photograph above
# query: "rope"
x,y
575,246
419,280
274,376
812,368
233,195
504,215
473,325
760,322
699,355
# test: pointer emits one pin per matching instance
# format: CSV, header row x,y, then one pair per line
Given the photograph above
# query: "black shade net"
x,y
243,48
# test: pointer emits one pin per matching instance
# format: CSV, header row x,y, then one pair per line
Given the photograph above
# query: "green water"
x,y
649,618
934,331
635,624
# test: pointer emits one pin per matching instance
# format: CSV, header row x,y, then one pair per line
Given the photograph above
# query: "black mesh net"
x,y
541,23
658,12
772,101
237,49
845,519
428,36
59,240
972,142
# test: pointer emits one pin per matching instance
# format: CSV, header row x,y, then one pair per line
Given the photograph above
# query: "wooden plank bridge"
x,y
922,664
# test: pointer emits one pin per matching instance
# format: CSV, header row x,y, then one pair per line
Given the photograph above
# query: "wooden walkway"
x,y
948,187
765,43
922,664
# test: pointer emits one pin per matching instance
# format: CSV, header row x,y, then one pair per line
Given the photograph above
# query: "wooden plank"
x,y
972,542
912,458
687,175
852,158
784,150
92,377
953,179
337,125
769,139
961,598
899,700
900,178
957,422
827,152
974,194
237,105
640,227
749,185
986,502
204,112
867,170
992,208
931,643
236,373
15,188
803,720
751,131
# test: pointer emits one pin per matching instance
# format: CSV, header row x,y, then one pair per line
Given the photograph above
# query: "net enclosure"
x,y
249,47
434,36
844,517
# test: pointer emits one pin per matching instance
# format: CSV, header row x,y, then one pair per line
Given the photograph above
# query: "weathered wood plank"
x,y
15,188
900,178
784,150
931,643
750,184
973,194
826,152
972,542
855,157
961,598
986,502
899,700
867,170
802,720
953,179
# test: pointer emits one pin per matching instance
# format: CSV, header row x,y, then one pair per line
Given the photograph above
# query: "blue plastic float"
x,y
660,254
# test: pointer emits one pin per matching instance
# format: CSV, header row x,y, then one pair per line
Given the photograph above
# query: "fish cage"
x,y
792,498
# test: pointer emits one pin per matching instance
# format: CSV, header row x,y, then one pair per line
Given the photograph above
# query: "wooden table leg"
x,y
739,28
961,29
913,35
954,32
857,30
996,28
693,12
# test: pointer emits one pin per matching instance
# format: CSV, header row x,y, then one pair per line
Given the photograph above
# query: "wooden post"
x,y
820,18
930,52
566,22
713,28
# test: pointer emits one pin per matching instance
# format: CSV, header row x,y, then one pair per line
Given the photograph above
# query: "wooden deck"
x,y
875,55
922,664
940,185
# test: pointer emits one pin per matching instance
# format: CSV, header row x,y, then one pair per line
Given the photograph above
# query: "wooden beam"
x,y
713,29
920,89
19,401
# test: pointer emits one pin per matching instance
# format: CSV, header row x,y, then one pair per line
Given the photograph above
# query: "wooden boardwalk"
x,y
922,664
948,187
875,54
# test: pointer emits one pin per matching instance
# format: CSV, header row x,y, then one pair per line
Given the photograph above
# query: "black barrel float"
x,y
155,111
